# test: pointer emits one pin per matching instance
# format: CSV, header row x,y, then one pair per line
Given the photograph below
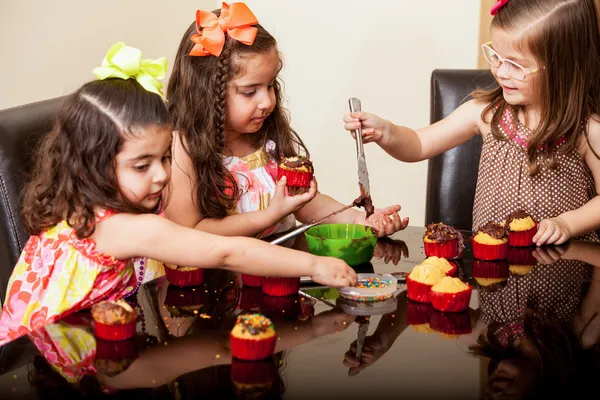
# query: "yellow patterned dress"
x,y
58,274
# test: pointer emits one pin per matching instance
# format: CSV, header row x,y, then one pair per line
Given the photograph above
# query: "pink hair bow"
x,y
496,7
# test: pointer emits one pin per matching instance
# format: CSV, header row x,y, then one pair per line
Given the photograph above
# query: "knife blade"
x,y
363,174
363,327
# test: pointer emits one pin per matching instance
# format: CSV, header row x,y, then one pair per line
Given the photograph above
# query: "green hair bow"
x,y
126,62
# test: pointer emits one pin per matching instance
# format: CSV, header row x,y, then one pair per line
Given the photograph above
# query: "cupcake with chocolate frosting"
x,y
298,170
443,241
490,242
252,338
521,229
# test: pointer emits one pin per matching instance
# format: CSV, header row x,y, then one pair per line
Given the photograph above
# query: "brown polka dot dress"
x,y
504,184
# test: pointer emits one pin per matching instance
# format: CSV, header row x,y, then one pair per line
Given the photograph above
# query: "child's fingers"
x,y
555,236
547,233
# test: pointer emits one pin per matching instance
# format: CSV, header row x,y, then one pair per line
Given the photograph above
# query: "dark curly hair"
x,y
197,105
75,165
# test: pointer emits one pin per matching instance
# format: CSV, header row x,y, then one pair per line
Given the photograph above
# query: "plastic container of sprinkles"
x,y
371,287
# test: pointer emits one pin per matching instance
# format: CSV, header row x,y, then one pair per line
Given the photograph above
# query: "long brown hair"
x,y
564,37
197,105
75,167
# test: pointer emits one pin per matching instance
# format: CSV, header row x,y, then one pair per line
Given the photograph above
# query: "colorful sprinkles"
x,y
255,323
373,283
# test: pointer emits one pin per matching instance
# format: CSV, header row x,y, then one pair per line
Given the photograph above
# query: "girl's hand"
x,y
392,250
286,202
385,221
374,129
549,255
552,231
330,271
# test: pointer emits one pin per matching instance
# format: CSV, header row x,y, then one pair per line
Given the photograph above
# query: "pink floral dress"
x,y
58,274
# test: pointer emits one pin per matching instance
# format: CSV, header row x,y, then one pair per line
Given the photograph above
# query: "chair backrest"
x,y
452,176
21,129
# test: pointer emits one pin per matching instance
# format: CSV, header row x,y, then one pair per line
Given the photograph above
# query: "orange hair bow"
x,y
236,19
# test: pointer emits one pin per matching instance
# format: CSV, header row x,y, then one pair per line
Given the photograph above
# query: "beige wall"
x,y
381,51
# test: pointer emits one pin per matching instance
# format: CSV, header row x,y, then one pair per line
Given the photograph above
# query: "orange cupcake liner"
x,y
418,291
490,252
115,331
522,238
451,302
252,350
490,269
185,278
447,250
451,323
295,178
280,286
252,280
418,313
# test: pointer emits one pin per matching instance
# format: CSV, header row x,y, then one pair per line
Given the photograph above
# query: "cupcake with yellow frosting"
x,y
252,338
444,241
184,276
450,295
490,274
520,260
521,229
420,281
490,242
451,325
298,170
448,267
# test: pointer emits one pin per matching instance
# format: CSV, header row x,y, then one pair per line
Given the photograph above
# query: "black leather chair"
x,y
452,176
21,129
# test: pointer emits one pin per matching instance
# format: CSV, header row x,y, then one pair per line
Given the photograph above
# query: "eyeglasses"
x,y
514,70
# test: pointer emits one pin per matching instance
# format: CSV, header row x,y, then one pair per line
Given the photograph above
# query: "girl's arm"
x,y
406,144
125,236
182,206
584,219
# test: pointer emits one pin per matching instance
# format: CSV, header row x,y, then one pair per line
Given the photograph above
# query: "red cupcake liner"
x,y
418,291
253,372
307,309
522,238
295,178
252,350
251,298
278,308
280,286
490,251
521,256
454,271
451,302
252,280
490,269
451,323
418,313
184,297
185,278
114,332
115,350
447,250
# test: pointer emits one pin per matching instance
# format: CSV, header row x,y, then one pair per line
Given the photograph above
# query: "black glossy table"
x,y
540,322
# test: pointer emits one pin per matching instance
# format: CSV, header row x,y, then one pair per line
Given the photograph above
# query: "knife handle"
x,y
355,107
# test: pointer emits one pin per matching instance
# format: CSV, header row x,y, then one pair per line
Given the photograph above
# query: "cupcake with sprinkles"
x,y
420,281
253,337
450,295
298,170
490,242
443,241
521,229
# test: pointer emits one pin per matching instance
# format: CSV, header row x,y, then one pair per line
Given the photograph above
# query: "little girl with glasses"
x,y
540,126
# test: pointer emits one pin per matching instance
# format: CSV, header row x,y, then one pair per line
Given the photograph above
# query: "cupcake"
x,y
490,242
114,357
184,276
451,325
114,320
252,280
521,229
298,170
307,308
280,286
520,260
450,294
182,302
252,379
490,274
420,281
252,338
281,308
443,241
448,267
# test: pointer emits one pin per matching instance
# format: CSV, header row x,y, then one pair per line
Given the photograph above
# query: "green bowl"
x,y
352,243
